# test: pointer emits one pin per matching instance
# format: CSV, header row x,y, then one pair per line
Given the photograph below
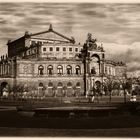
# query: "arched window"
x,y
50,84
69,69
98,86
60,84
69,84
59,70
78,84
50,70
95,63
41,89
40,70
40,84
78,70
4,88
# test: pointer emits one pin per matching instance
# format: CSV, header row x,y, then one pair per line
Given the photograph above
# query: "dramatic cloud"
x,y
116,26
127,53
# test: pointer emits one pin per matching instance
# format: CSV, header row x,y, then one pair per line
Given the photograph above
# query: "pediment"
x,y
50,34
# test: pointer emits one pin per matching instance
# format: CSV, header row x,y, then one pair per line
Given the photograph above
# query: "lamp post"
x,y
85,57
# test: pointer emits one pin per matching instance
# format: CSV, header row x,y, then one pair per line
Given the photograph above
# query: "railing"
x,y
66,99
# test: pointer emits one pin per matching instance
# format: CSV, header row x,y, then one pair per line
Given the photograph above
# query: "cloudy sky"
x,y
116,26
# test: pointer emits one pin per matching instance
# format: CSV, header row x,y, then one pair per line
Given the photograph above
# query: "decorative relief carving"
x,y
25,69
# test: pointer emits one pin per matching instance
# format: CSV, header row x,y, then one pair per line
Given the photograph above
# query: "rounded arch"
x,y
60,69
50,69
77,66
59,66
70,90
69,69
59,84
4,85
41,69
41,90
78,84
69,84
95,64
69,66
41,85
50,84
98,84
78,69
96,56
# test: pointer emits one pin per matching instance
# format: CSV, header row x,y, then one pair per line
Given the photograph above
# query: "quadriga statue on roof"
x,y
91,42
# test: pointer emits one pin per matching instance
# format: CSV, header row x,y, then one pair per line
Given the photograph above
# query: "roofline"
x,y
40,33
115,63
62,36
51,30
11,41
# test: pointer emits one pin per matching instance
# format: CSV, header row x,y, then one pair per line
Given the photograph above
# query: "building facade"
x,y
51,64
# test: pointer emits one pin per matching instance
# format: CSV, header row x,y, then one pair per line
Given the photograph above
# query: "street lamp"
x,y
85,57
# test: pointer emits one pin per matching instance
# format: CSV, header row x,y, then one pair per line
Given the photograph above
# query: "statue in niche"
x,y
93,71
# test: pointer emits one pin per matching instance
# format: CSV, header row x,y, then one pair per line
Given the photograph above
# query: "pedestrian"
x,y
5,92
93,97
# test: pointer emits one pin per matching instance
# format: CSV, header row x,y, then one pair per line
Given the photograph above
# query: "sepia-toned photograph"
x,y
69,69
